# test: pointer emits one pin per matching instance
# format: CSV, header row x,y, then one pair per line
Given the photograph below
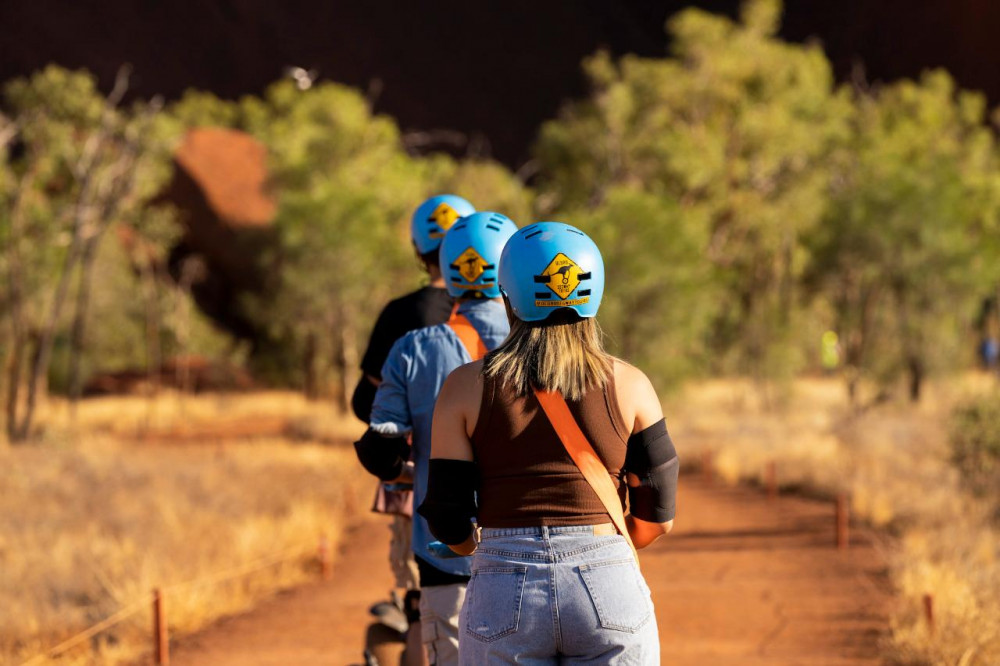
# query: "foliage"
x,y
908,246
652,254
487,184
82,163
744,203
799,206
730,135
346,188
975,445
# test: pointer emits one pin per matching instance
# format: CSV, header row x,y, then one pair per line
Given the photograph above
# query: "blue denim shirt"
x,y
412,377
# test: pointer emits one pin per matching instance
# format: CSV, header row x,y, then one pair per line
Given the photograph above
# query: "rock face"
x,y
231,169
220,191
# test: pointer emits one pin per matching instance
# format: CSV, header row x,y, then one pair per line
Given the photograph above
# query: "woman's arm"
x,y
455,415
641,409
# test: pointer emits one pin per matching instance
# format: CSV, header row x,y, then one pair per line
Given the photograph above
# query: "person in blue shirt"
x,y
412,375
428,305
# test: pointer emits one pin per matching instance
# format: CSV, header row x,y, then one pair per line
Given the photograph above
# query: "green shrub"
x,y
975,445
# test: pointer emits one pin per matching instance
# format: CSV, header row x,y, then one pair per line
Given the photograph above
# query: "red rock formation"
x,y
231,169
220,191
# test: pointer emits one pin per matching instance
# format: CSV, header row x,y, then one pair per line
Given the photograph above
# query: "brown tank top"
x,y
527,477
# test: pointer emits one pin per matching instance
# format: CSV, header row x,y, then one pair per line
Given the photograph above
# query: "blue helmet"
x,y
434,217
547,266
470,252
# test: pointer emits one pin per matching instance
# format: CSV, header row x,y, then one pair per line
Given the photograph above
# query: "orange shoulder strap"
x,y
468,334
583,454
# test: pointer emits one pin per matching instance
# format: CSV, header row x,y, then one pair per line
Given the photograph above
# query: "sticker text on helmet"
x,y
562,304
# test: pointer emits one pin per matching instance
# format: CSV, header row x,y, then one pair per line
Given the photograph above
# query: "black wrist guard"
x,y
382,456
450,504
651,457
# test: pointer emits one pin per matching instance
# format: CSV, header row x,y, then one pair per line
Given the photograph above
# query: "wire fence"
x,y
155,600
322,554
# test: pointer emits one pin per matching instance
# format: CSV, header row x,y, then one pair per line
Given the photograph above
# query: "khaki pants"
x,y
404,567
439,609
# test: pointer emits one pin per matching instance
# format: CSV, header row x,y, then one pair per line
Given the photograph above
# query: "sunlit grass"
x,y
93,521
892,459
115,503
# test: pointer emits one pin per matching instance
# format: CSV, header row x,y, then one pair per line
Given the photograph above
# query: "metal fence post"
x,y
160,637
771,480
843,521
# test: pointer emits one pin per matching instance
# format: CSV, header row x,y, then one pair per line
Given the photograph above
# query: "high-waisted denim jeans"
x,y
556,595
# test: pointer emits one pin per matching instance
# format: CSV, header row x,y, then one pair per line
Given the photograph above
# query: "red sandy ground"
x,y
741,581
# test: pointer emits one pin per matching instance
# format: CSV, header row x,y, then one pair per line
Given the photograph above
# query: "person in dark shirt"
x,y
427,306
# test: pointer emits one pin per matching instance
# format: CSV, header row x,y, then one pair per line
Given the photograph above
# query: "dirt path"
x,y
741,581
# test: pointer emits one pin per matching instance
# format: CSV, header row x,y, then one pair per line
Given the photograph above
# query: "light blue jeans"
x,y
556,595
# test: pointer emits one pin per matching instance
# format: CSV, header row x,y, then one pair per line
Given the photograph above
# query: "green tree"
x,y
487,184
345,188
732,134
909,244
652,254
83,163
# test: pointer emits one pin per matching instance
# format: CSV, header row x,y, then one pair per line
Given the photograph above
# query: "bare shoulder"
x,y
466,376
462,392
637,399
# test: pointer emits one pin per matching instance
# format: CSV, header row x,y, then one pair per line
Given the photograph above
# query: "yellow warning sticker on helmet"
x,y
564,277
470,265
444,216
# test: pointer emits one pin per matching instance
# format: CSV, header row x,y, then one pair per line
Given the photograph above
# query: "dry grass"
x,y
173,412
893,461
93,521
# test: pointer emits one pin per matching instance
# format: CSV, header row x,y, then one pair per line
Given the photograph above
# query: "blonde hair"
x,y
565,356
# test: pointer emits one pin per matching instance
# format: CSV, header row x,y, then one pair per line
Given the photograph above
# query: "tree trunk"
x,y
18,343
311,383
147,275
40,367
347,359
84,212
19,326
13,385
856,344
916,369
79,328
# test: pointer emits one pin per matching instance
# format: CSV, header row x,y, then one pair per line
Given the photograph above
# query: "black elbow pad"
x,y
655,498
651,457
649,449
382,456
450,504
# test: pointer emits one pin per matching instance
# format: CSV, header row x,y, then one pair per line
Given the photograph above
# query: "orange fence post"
x,y
929,612
160,638
843,521
323,553
706,466
771,480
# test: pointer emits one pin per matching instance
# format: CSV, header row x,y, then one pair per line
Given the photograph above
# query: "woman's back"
x,y
555,577
527,478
